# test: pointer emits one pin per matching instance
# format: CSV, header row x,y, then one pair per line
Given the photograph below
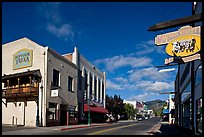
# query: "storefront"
x,y
97,114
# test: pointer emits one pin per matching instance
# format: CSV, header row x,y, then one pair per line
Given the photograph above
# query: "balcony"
x,y
22,91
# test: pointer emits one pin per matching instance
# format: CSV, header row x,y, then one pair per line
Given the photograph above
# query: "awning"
x,y
95,109
166,111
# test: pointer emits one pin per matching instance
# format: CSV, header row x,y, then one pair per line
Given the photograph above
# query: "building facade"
x,y
91,88
39,86
188,88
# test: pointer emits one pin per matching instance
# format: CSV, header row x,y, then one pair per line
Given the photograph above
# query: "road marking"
x,y
101,131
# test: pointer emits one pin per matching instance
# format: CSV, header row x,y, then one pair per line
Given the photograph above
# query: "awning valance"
x,y
95,109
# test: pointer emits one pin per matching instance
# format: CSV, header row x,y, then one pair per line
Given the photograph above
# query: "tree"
x,y
115,105
129,109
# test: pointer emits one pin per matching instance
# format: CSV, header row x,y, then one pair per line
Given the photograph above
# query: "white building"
x,y
92,85
39,86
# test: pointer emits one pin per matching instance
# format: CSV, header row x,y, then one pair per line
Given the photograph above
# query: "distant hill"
x,y
155,105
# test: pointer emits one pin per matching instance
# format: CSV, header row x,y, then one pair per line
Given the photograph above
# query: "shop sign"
x,y
54,93
183,31
183,46
181,43
22,59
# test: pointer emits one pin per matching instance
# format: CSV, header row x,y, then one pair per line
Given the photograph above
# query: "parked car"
x,y
165,117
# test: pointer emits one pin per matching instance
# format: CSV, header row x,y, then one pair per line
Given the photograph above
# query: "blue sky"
x,y
111,35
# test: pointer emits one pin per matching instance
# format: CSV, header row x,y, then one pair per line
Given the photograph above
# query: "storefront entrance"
x,y
186,114
63,115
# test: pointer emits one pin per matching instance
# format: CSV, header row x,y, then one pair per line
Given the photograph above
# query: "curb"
x,y
70,128
153,128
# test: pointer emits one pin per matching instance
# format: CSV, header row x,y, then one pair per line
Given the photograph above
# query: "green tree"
x,y
129,109
115,105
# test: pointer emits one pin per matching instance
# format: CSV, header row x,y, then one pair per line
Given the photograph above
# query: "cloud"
x,y
146,47
143,97
152,86
64,31
122,61
120,79
142,85
112,85
147,73
53,21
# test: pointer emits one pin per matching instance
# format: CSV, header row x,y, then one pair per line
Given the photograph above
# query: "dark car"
x,y
165,117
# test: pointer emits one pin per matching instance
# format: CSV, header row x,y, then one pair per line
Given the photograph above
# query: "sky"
x,y
111,35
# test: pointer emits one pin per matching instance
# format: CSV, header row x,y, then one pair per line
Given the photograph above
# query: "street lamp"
x,y
89,116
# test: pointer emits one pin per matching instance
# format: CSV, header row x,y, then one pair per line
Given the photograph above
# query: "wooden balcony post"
x,y
8,83
18,84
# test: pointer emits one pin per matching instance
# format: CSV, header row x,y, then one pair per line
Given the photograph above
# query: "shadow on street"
x,y
166,129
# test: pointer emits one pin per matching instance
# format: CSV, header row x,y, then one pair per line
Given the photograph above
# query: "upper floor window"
x,y
70,84
99,88
86,79
55,81
95,85
80,80
91,83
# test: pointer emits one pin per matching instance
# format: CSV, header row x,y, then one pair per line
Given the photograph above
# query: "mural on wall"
x,y
22,59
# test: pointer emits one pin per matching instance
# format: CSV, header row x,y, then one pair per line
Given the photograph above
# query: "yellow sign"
x,y
22,59
184,45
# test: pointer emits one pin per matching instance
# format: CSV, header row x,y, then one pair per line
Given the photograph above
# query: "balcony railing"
x,y
13,92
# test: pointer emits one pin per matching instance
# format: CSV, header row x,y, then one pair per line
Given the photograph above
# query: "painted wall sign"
x,y
22,59
183,31
184,46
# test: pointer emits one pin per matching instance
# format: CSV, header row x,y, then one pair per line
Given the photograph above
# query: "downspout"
x,y
45,117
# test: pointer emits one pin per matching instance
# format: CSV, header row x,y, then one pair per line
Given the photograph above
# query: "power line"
x,y
164,12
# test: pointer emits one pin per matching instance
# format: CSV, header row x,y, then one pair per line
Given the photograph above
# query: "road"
x,y
119,128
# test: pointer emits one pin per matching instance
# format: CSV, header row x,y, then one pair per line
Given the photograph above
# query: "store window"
x,y
73,115
198,75
199,116
52,111
186,92
70,83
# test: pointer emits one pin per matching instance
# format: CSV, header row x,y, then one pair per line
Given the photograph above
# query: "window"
x,y
99,89
86,85
55,81
102,92
186,92
70,84
52,111
90,85
198,75
199,116
80,80
95,89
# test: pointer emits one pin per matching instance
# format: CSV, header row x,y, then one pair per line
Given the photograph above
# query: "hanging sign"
x,y
22,59
181,43
184,46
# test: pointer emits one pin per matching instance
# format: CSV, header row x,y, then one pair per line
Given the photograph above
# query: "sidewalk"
x,y
164,128
15,130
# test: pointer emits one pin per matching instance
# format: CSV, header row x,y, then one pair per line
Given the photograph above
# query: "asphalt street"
x,y
119,128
